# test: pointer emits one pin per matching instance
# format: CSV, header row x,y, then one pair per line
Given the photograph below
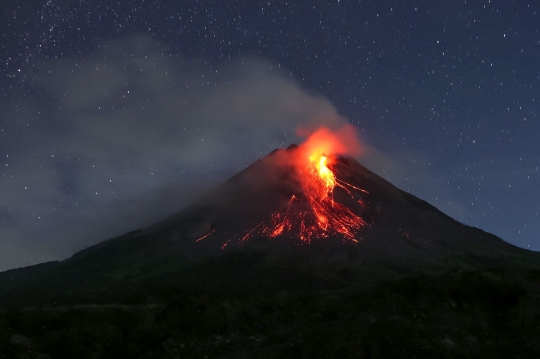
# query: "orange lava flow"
x,y
206,235
322,216
312,211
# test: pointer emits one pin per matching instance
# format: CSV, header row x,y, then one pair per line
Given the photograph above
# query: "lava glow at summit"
x,y
321,216
312,211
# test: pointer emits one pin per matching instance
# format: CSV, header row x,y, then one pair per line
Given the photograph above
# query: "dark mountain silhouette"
x,y
404,236
176,262
399,224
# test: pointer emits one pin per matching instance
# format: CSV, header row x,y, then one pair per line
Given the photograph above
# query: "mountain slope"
x,y
403,236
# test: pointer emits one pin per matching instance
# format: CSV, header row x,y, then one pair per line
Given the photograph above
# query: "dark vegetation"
x,y
489,313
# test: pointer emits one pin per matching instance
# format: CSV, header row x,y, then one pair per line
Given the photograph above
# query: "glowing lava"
x,y
206,235
322,173
312,212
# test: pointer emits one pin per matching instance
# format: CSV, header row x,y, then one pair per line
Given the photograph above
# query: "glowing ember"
x,y
312,212
206,235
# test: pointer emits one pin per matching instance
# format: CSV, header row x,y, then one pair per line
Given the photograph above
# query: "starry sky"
x,y
114,115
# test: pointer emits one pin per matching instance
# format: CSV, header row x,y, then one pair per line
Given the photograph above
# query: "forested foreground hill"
x,y
488,313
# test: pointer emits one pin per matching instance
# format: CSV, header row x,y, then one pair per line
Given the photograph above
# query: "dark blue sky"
x,y
102,102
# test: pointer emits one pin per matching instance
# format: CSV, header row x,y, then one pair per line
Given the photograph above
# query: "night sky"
x,y
115,115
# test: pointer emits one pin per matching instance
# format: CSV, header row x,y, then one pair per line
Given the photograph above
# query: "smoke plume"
x,y
111,142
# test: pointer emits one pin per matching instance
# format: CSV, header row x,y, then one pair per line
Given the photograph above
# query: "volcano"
x,y
266,228
299,254
266,208
367,216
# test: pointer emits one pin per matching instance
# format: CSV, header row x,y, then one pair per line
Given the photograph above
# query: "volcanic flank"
x,y
308,195
304,217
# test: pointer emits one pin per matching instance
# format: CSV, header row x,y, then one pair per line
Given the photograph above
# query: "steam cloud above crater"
x,y
130,134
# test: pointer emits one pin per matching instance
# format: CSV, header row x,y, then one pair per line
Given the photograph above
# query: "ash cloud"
x,y
117,140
